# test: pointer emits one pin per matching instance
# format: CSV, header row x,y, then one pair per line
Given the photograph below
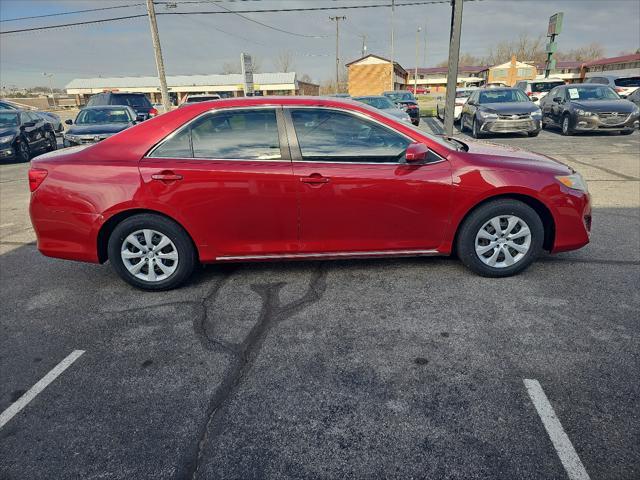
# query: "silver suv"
x,y
536,89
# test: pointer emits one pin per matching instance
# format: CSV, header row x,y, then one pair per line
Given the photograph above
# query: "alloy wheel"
x,y
503,241
149,255
23,151
565,125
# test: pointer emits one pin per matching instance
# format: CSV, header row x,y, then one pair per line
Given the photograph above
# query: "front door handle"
x,y
314,179
166,176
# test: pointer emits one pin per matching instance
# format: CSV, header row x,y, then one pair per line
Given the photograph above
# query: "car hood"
x,y
509,108
396,112
619,105
503,156
97,129
8,131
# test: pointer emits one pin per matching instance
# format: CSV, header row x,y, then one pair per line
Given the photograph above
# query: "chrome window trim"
x,y
213,111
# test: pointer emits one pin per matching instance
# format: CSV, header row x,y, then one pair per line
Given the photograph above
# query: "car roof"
x,y
8,110
499,89
105,107
543,80
369,96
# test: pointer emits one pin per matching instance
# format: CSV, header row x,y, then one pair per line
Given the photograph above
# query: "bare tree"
x,y
525,48
466,59
593,51
284,61
235,67
306,78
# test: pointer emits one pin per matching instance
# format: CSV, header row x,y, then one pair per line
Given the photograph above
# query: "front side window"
x,y
246,134
329,135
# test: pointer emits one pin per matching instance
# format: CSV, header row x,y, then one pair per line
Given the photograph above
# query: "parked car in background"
x,y
500,110
462,95
586,107
23,135
277,178
50,117
94,124
495,85
382,102
537,89
200,98
138,101
624,86
635,97
407,101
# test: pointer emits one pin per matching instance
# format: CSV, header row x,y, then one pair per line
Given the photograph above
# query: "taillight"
x,y
529,93
36,177
619,89
153,112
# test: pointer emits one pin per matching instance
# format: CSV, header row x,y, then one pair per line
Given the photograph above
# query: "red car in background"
x,y
273,178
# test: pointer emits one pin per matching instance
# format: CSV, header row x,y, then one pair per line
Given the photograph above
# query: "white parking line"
x,y
24,400
564,448
5,225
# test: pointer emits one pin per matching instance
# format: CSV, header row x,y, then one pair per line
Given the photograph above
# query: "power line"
x,y
273,10
72,12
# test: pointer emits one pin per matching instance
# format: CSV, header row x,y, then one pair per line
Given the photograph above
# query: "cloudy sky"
x,y
203,43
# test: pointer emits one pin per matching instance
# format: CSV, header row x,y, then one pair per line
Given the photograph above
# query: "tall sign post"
x,y
454,57
247,74
554,28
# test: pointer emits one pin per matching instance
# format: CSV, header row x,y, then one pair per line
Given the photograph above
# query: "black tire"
x,y
416,122
626,132
187,257
463,127
466,237
23,152
475,130
53,142
534,133
565,126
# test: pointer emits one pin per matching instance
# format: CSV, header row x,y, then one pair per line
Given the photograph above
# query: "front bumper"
x,y
572,219
7,152
509,125
83,140
606,121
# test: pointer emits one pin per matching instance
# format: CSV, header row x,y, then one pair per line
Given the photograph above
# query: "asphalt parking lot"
x,y
404,368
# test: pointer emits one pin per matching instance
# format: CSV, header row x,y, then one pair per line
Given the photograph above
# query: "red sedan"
x,y
269,178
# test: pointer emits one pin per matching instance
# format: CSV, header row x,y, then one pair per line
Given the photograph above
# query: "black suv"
x,y
138,101
407,102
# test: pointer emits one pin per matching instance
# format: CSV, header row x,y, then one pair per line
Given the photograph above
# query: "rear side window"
x,y
241,135
329,135
93,101
628,82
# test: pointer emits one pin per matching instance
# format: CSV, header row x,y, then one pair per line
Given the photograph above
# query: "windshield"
x,y
8,119
131,100
600,92
103,115
544,86
628,82
382,103
400,96
502,96
202,99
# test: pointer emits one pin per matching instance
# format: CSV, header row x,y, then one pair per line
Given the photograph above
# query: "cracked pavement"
x,y
403,368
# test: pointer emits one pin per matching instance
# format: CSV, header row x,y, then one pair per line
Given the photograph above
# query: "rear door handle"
x,y
166,176
315,178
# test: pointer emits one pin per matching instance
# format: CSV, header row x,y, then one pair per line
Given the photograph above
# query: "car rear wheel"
x,y
566,125
500,238
22,151
151,252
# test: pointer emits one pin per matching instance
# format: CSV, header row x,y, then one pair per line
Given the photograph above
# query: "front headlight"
x,y
537,114
583,113
72,138
487,115
7,138
574,181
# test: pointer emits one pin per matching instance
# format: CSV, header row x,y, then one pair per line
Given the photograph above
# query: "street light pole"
x,y
415,73
53,96
337,20
155,37
393,65
454,56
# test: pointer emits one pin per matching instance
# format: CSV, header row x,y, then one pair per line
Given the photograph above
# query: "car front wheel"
x,y
475,129
500,238
22,151
52,142
151,252
566,125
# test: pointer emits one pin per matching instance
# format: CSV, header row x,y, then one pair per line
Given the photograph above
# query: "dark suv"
x,y
407,102
138,101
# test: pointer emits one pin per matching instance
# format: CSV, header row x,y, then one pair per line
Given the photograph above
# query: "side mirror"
x,y
29,124
416,152
471,102
140,118
68,121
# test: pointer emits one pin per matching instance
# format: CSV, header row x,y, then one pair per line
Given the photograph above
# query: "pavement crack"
x,y
271,313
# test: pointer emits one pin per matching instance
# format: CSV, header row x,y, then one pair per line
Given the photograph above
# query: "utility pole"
x,y
337,20
393,63
158,52
364,44
53,96
424,53
454,56
415,73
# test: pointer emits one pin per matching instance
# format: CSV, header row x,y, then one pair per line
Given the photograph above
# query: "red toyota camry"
x,y
270,178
